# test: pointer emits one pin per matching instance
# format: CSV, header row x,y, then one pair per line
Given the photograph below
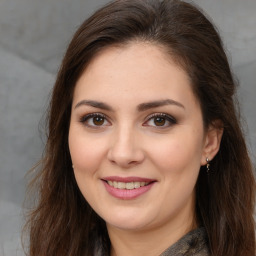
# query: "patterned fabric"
x,y
192,244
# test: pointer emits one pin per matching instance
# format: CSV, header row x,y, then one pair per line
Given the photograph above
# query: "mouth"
x,y
127,188
127,185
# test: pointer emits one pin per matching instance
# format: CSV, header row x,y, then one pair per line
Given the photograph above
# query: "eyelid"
x,y
84,118
168,117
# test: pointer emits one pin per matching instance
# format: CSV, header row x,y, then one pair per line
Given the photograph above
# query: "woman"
x,y
145,154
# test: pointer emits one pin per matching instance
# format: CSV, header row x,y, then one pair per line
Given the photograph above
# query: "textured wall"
x,y
33,38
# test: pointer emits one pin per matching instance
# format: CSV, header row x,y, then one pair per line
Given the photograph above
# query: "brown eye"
x,y
159,121
95,120
98,120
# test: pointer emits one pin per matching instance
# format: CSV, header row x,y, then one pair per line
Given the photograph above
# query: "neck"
x,y
149,242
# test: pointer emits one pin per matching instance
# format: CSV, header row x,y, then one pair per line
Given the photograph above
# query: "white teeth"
x,y
127,185
136,184
121,185
114,184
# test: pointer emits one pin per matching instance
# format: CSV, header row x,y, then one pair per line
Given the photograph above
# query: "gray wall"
x,y
33,38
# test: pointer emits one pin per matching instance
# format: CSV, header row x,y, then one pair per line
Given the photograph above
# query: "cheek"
x,y
86,152
179,153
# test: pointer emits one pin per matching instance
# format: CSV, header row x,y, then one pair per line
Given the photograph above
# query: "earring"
x,y
72,166
207,165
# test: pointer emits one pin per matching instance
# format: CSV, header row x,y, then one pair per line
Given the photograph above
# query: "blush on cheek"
x,y
170,152
86,156
177,157
84,159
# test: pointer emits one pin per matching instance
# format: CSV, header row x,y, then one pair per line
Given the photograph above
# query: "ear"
x,y
212,141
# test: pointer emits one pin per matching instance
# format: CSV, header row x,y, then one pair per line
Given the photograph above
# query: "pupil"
x,y
159,121
98,120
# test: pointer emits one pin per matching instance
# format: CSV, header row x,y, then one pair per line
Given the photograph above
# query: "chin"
x,y
126,221
127,225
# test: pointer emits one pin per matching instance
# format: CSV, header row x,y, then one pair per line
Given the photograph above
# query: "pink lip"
x,y
127,179
127,194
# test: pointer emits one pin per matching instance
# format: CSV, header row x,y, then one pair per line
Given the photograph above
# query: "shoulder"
x,y
194,243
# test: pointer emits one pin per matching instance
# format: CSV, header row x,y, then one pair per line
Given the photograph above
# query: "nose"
x,y
125,149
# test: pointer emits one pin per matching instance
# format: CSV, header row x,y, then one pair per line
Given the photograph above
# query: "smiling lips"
x,y
127,188
128,185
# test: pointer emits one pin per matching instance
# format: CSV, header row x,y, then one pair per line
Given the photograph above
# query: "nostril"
x,y
125,152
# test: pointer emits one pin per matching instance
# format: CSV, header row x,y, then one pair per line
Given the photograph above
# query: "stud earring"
x,y
207,165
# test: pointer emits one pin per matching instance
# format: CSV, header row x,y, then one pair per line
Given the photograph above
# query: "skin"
x,y
129,142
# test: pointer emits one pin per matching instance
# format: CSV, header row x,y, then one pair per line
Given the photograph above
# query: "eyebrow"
x,y
141,107
159,103
95,104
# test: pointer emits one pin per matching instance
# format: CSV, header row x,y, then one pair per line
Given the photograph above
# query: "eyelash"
x,y
167,118
85,119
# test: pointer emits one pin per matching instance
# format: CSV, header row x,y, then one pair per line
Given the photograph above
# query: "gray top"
x,y
195,243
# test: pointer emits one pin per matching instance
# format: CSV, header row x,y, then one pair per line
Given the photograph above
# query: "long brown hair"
x,y
63,223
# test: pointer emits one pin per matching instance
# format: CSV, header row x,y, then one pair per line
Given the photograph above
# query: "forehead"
x,y
141,70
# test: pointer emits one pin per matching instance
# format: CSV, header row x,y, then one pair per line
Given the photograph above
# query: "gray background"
x,y
33,38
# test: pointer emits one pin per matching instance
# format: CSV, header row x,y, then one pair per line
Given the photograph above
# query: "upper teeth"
x,y
127,185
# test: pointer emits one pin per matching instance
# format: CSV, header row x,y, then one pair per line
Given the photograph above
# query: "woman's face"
x,y
137,139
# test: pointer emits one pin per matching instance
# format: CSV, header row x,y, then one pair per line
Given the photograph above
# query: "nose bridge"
x,y
125,149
